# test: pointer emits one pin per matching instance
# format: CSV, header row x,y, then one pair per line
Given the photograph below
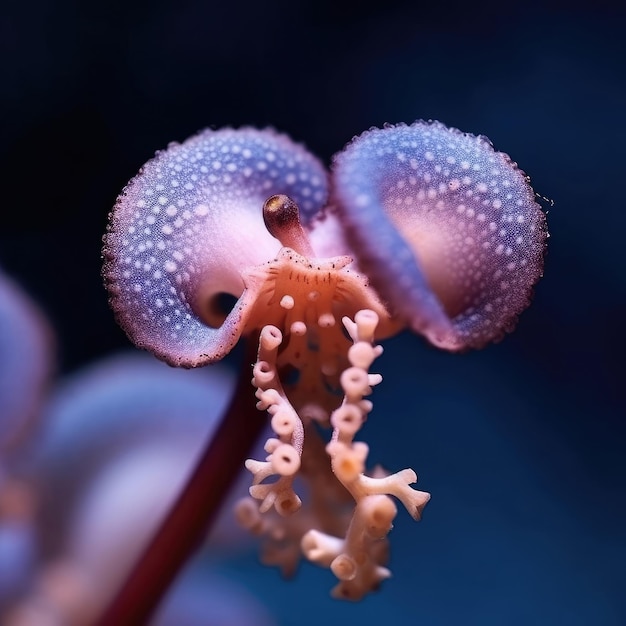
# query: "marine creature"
x,y
242,232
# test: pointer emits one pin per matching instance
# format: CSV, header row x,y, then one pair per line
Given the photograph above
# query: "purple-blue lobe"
x,y
17,558
446,228
122,402
187,225
25,361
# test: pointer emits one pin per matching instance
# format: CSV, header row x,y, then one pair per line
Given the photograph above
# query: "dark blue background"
x,y
522,445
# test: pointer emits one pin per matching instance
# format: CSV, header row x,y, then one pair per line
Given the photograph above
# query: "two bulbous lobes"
x,y
445,228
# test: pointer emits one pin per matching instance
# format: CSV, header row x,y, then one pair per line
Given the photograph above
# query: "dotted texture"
x,y
188,224
467,211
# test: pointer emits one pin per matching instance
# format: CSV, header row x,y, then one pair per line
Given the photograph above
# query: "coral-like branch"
x,y
282,535
348,458
285,451
353,548
354,560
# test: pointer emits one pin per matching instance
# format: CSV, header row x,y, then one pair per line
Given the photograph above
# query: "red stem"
x,y
188,522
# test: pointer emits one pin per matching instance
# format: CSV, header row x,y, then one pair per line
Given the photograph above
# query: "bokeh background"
x,y
523,444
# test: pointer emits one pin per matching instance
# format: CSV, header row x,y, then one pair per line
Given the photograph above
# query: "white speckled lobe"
x,y
446,228
188,224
